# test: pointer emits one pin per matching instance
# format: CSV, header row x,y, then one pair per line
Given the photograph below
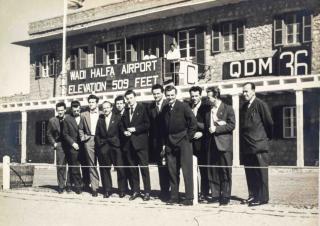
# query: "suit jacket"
x,y
223,134
179,123
53,131
156,124
110,136
71,130
256,127
140,121
199,143
85,126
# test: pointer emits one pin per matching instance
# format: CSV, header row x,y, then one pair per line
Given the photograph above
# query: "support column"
x,y
195,179
299,118
6,172
23,136
236,131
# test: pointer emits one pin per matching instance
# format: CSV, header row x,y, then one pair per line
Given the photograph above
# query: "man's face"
x,y
107,108
76,111
120,105
61,111
157,95
247,92
195,97
172,47
171,96
212,99
92,104
131,99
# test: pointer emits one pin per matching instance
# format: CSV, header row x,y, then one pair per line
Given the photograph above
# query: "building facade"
x,y
273,43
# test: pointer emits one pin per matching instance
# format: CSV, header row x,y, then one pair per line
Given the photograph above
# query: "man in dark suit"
x,y
256,132
199,108
72,138
54,134
219,124
135,126
87,130
156,138
180,125
120,105
108,149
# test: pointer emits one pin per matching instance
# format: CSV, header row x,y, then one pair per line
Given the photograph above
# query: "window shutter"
x,y
216,37
277,116
307,28
38,68
240,36
200,46
278,31
98,55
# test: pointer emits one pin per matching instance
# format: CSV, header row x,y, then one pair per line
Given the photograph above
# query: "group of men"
x,y
173,131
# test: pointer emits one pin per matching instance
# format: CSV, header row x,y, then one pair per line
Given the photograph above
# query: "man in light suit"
x,y
156,138
72,138
135,125
199,108
256,127
87,130
219,124
54,134
108,146
180,125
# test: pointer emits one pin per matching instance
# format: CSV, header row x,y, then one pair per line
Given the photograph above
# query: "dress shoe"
x,y
122,194
106,195
94,193
246,201
201,197
224,201
68,189
146,197
60,190
78,191
134,196
214,200
256,202
172,201
187,202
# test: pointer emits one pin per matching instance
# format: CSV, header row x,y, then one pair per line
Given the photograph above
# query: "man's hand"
x,y
212,129
131,129
198,135
75,146
127,133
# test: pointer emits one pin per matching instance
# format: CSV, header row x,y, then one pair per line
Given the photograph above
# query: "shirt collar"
x,y
95,111
197,106
252,99
217,107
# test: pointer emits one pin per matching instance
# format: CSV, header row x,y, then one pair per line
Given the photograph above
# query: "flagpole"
x,y
64,49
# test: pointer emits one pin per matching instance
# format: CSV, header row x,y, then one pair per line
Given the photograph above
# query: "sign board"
x,y
133,75
286,61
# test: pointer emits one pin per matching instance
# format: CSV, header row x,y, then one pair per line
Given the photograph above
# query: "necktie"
x,y
107,122
131,113
158,108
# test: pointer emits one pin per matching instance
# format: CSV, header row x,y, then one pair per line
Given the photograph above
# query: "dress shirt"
x,y
94,116
214,116
196,108
149,57
159,104
131,110
107,120
250,101
173,55
77,118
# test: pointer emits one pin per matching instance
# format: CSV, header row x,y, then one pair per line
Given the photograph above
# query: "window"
x,y
228,36
292,28
78,58
108,53
45,66
187,43
289,122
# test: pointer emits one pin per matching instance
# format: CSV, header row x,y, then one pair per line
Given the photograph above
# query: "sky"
x,y
15,16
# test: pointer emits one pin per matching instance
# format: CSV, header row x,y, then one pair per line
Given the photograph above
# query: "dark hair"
x,y
106,101
75,104
195,89
61,104
118,98
253,86
215,92
157,86
172,44
130,91
170,88
91,96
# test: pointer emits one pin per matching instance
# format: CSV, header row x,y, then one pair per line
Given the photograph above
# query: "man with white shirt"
x,y
135,126
173,55
156,138
219,124
256,127
87,130
107,139
149,55
199,109
71,136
